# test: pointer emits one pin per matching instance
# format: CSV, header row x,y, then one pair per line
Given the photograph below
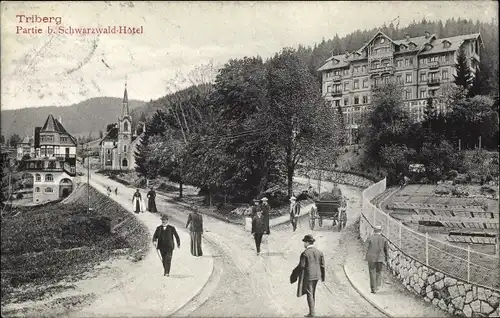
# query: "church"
x,y
120,142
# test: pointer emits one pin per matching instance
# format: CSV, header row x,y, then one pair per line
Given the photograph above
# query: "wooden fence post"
x,y
427,248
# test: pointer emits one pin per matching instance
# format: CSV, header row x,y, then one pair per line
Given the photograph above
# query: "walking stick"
x,y
159,256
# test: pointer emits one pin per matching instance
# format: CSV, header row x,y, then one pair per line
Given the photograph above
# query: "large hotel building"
x,y
422,65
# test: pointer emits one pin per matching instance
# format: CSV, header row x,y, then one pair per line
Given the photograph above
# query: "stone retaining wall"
x,y
450,294
338,176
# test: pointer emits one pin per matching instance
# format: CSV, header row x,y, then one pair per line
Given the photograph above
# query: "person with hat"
x,y
195,224
152,200
163,239
258,229
294,212
311,268
137,202
255,207
266,209
376,254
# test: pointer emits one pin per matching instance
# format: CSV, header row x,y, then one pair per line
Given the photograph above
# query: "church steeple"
x,y
125,109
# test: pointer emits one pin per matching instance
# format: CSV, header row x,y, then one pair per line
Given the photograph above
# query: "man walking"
x,y
255,207
266,209
294,212
258,229
195,224
311,268
376,254
163,239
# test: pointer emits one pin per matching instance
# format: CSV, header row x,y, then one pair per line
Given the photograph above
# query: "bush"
x,y
19,196
452,174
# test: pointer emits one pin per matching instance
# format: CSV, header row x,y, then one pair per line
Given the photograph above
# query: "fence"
x,y
462,263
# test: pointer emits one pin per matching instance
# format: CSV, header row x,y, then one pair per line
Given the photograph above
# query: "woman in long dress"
x,y
195,224
151,200
137,202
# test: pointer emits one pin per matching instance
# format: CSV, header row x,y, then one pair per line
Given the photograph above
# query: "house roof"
x,y
53,125
420,47
112,134
455,43
26,140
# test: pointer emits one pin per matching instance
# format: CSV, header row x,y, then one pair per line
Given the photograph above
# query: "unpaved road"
x,y
245,284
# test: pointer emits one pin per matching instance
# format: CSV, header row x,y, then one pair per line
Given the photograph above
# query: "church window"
x,y
125,126
124,162
124,148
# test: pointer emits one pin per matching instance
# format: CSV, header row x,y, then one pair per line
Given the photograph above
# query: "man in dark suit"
x,y
376,254
311,268
195,224
163,239
258,229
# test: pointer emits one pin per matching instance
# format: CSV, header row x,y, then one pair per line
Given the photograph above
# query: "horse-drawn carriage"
x,y
329,206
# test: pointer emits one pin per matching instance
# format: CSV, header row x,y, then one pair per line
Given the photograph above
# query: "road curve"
x,y
244,284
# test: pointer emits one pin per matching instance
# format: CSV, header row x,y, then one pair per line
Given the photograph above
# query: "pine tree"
x,y
140,155
430,111
464,76
477,85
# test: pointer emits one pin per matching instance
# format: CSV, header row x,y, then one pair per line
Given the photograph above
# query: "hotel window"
x,y
336,102
50,151
423,77
64,139
407,62
445,75
408,94
356,84
37,189
48,190
365,99
408,78
56,150
38,177
447,57
423,93
432,93
346,101
356,69
346,86
365,83
386,79
363,68
329,88
399,79
356,100
337,73
422,61
49,177
346,72
375,65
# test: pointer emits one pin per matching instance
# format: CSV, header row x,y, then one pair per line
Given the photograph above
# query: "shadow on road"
x,y
180,276
272,254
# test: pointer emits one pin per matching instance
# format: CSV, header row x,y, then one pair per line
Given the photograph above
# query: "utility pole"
x,y
479,142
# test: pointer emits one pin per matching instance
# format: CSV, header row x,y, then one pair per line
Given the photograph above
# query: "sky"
x,y
57,69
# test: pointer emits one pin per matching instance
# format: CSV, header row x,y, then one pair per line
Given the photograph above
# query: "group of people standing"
x,y
139,205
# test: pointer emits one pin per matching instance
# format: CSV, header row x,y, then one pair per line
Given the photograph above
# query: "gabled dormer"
x,y
446,44
412,45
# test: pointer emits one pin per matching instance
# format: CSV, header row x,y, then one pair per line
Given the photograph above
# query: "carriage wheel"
x,y
320,222
312,223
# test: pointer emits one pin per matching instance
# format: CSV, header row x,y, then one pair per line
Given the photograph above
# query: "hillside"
x,y
91,115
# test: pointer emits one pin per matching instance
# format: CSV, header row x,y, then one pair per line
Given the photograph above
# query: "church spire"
x,y
125,109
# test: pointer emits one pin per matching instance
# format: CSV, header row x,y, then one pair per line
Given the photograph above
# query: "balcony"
x,y
434,64
337,78
382,69
434,81
336,93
